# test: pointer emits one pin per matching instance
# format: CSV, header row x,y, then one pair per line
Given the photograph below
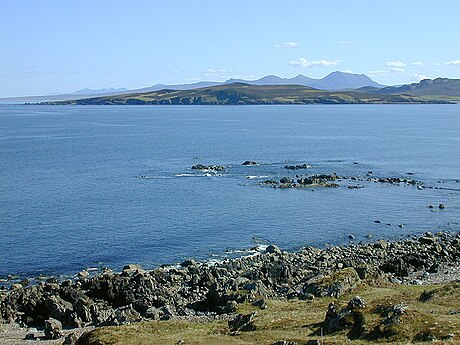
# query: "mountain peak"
x,y
344,80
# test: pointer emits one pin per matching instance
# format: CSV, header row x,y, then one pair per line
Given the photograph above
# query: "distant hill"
x,y
439,88
242,94
107,91
275,80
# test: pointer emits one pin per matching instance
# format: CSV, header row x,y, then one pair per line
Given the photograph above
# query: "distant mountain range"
x,y
440,89
100,91
333,81
246,94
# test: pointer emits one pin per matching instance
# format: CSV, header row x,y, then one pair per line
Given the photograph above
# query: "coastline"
x,y
212,291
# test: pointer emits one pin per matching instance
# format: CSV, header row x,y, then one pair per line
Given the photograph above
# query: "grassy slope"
x,y
247,94
300,321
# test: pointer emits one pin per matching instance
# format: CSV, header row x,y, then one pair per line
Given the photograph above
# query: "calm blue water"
x,y
71,195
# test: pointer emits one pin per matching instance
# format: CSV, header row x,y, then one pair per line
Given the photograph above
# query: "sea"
x,y
87,187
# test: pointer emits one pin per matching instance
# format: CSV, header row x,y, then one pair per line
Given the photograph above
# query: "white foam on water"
x,y
154,177
253,177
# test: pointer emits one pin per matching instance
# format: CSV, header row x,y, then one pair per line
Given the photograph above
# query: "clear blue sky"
x,y
56,46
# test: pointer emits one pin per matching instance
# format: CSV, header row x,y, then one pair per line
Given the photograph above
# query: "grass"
x,y
447,98
300,321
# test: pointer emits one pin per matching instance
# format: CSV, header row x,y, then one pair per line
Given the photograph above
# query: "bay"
x,y
93,186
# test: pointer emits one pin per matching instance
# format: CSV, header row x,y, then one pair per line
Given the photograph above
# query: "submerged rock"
x,y
250,163
202,167
286,180
297,167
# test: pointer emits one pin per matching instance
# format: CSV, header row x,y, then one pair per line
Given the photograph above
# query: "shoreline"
x,y
197,290
259,247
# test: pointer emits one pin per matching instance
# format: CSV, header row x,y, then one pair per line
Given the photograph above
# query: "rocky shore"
x,y
203,290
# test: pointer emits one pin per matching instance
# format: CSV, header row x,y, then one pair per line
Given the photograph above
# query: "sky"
x,y
55,46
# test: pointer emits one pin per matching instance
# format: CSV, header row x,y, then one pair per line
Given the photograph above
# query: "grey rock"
x,y
83,274
53,329
273,249
333,285
70,339
202,167
24,282
230,307
336,320
30,336
123,315
188,262
381,244
427,240
242,323
154,313
356,303
297,167
58,308
260,303
131,269
286,180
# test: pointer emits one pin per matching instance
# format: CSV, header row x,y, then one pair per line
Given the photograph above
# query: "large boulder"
x,y
58,308
53,329
273,249
337,320
70,339
243,323
346,318
333,285
154,313
356,303
123,316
